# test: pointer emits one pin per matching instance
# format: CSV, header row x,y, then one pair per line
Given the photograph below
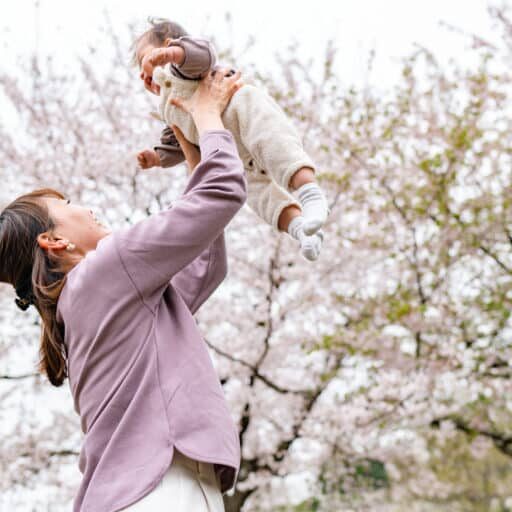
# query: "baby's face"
x,y
144,48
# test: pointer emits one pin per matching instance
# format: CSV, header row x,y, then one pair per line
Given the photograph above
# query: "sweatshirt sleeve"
x,y
200,57
199,279
156,249
169,149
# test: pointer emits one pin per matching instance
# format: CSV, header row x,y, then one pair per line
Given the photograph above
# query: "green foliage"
x,y
398,309
372,472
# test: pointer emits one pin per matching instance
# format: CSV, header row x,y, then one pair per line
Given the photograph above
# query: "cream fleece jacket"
x,y
268,143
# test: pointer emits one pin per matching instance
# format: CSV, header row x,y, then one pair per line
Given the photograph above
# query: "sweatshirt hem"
x,y
154,483
200,458
151,487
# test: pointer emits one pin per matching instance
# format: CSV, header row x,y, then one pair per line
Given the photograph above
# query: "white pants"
x,y
188,485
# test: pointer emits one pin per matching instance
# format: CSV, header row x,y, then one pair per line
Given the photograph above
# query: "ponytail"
x,y
35,275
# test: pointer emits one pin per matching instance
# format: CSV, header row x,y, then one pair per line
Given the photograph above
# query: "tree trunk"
x,y
236,502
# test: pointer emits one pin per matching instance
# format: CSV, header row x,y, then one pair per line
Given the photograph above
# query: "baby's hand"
x,y
148,158
160,57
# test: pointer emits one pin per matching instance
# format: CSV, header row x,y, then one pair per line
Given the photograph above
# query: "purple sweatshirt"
x,y
140,373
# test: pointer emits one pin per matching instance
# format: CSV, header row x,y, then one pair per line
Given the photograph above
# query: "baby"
x,y
268,143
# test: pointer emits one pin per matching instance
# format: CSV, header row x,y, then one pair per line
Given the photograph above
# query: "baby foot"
x,y
310,245
314,207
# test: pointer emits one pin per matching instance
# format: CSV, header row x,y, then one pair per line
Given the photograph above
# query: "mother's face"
x,y
74,223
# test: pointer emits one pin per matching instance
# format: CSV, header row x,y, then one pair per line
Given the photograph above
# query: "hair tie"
x,y
25,296
23,304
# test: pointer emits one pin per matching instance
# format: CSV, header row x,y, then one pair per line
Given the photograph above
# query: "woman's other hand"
x,y
192,154
211,98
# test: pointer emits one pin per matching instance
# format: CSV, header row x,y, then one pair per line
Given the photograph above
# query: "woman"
x,y
117,311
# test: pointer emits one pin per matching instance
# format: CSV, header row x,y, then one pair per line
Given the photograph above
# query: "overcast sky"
x,y
66,27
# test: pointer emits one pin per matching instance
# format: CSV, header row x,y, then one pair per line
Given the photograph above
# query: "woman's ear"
x,y
168,41
47,241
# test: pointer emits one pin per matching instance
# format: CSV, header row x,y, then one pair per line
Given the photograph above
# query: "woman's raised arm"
x,y
157,248
200,278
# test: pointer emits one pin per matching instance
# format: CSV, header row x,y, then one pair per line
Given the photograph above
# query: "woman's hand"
x,y
192,154
210,99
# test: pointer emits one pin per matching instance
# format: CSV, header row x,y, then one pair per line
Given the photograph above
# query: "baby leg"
x,y
280,210
310,245
311,197
273,141
288,213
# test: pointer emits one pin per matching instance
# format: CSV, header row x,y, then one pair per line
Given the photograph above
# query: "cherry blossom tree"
x,y
376,378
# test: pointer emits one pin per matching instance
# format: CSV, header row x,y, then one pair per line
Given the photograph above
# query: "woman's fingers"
x,y
218,74
235,76
235,80
213,92
237,85
178,102
221,73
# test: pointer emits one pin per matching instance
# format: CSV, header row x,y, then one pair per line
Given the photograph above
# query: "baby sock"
x,y
314,207
310,245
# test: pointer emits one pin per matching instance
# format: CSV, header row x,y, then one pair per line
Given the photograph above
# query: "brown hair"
x,y
160,30
35,274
